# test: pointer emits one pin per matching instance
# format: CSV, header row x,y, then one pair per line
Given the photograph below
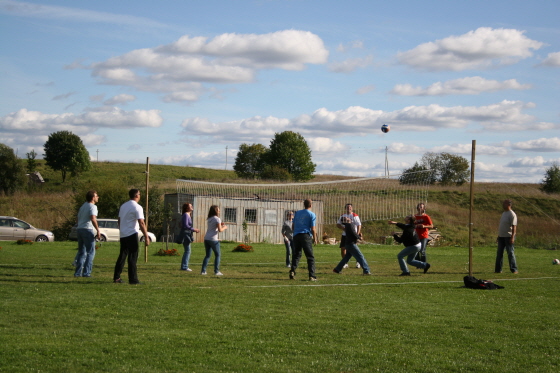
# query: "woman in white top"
x,y
211,242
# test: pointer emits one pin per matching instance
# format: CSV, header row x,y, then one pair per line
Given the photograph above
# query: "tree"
x,y
65,152
551,181
290,151
31,162
275,173
408,175
448,168
12,174
248,162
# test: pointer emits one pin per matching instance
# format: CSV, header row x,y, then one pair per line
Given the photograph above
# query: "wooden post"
x,y
147,211
471,209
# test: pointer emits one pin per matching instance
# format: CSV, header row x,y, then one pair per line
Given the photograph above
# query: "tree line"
x,y
287,158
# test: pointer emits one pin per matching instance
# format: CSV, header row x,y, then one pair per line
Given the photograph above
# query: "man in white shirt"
x,y
506,237
131,221
356,224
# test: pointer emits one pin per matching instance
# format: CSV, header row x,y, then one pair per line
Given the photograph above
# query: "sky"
x,y
187,82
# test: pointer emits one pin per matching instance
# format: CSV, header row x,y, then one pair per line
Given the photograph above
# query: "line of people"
x,y
299,232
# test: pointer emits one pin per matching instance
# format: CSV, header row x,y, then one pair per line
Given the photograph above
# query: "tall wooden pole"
x,y
473,153
147,211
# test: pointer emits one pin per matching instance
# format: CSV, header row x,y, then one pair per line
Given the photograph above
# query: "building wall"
x,y
268,216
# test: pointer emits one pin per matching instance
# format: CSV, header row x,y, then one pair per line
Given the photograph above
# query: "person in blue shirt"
x,y
305,235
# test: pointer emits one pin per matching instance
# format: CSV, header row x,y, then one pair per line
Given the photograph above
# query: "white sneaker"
x,y
358,265
202,273
345,266
188,270
219,274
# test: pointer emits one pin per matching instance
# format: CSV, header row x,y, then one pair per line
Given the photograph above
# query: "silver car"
x,y
109,230
13,229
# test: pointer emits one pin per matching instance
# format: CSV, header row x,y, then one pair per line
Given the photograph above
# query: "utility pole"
x,y
386,164
226,159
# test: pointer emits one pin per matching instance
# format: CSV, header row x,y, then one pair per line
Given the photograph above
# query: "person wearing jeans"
x,y
211,243
187,231
352,249
506,238
410,240
87,222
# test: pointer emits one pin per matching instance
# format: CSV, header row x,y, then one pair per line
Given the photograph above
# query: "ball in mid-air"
x,y
556,261
385,128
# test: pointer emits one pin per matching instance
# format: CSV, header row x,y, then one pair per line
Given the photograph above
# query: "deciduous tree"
x,y
65,152
12,174
248,162
290,151
551,181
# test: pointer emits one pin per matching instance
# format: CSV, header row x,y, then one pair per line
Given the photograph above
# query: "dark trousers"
x,y
129,248
303,242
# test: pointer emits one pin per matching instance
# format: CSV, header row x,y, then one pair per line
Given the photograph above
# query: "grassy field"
x,y
254,319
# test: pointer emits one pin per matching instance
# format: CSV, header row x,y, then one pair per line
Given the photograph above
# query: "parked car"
x,y
13,229
109,229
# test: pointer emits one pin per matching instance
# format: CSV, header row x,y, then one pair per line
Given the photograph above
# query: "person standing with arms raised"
x,y
305,235
131,221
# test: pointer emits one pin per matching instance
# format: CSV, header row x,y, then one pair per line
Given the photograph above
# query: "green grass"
x,y
254,319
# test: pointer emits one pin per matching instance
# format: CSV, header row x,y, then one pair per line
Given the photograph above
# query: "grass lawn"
x,y
254,319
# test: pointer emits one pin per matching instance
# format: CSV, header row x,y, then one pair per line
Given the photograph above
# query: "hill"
x,y
52,204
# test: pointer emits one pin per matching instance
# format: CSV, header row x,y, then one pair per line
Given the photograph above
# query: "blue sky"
x,y
182,81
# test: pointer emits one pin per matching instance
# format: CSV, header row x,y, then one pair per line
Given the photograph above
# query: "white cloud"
x,y
400,148
356,44
527,162
476,49
553,59
365,89
464,86
255,129
119,99
350,64
41,125
323,144
467,149
539,145
359,121
179,69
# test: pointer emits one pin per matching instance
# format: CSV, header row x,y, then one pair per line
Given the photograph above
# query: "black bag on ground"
x,y
472,282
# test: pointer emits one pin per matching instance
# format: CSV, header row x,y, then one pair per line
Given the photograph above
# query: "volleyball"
x,y
385,128
556,261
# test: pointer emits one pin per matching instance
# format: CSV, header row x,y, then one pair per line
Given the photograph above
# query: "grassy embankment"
x,y
539,213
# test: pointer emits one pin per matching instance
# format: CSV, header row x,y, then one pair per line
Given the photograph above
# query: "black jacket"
x,y
409,236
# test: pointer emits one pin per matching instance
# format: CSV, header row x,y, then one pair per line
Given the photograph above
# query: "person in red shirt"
x,y
423,226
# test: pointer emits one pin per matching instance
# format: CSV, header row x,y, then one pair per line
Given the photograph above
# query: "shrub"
x,y
243,248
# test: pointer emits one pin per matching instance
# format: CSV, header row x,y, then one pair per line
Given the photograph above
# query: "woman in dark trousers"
x,y
410,240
